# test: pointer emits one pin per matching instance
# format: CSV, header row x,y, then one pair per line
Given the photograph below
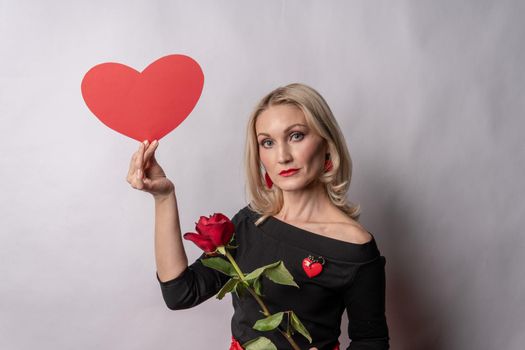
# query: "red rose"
x,y
212,232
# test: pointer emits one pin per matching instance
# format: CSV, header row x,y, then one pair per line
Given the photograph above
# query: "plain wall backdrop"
x,y
429,95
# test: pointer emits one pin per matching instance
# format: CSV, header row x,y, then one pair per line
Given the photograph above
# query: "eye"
x,y
264,142
300,134
295,136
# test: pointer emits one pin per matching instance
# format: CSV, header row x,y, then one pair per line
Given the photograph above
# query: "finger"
x,y
140,155
133,164
137,180
136,171
140,164
150,151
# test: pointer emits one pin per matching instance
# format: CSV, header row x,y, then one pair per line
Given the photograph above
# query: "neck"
x,y
306,204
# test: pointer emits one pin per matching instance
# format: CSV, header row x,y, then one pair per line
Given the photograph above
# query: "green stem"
x,y
266,312
243,278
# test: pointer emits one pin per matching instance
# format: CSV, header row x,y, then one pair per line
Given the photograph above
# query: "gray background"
x,y
430,97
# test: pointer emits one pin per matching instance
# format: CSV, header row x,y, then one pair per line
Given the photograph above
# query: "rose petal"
x,y
218,228
201,241
216,234
219,218
219,234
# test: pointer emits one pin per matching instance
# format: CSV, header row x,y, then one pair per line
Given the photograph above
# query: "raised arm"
x,y
365,305
147,175
182,286
170,256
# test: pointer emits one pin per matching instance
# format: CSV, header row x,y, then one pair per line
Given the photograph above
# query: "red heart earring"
x,y
269,181
313,266
328,163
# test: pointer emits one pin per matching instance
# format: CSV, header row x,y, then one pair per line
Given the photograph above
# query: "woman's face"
x,y
286,142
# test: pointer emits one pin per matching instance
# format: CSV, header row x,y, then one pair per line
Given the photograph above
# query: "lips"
x,y
288,172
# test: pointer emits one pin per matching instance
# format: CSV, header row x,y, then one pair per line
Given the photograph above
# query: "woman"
x,y
298,172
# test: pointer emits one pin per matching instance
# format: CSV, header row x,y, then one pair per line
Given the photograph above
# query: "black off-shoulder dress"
x,y
352,279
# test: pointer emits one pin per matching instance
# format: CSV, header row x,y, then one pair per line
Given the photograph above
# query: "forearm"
x,y
170,256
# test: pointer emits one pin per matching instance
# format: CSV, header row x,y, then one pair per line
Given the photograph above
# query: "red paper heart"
x,y
147,105
312,269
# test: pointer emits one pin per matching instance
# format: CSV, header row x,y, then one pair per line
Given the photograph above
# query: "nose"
x,y
284,155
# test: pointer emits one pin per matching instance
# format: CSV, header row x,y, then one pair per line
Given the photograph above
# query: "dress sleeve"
x,y
365,306
196,284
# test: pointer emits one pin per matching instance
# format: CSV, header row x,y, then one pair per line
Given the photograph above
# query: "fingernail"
x,y
145,142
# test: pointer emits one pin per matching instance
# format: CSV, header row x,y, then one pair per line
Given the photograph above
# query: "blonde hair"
x,y
319,117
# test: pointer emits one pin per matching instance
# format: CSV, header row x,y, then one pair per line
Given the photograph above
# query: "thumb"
x,y
148,185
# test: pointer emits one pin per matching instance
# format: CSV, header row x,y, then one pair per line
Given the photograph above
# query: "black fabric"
x,y
353,279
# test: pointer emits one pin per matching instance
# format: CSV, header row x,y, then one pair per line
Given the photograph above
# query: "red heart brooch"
x,y
313,266
144,105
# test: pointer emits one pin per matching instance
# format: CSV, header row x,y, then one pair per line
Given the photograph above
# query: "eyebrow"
x,y
285,130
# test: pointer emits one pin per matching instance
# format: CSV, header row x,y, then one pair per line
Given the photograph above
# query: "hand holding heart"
x,y
146,174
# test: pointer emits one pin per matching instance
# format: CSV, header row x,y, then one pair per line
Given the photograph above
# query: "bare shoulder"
x,y
352,231
355,234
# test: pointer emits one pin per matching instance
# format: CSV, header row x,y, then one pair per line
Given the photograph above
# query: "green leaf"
x,y
257,272
228,287
259,343
280,275
220,264
240,289
297,325
257,286
269,323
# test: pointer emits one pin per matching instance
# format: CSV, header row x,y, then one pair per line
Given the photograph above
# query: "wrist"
x,y
161,198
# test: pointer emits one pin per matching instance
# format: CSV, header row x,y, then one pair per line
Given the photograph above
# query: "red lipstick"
x,y
288,172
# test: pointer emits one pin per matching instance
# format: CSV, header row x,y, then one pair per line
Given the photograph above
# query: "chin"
x,y
295,186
